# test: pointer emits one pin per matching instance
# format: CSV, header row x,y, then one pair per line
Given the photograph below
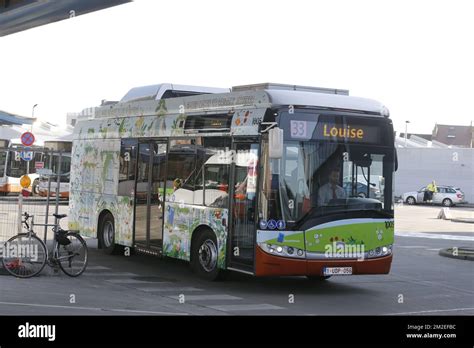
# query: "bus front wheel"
x,y
107,234
204,255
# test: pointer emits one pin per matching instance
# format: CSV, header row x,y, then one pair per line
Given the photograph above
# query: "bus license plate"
x,y
337,270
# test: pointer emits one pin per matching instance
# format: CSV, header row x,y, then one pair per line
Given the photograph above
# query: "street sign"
x,y
39,165
25,181
26,155
27,139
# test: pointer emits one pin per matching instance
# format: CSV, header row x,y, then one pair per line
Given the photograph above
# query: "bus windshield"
x,y
318,178
324,178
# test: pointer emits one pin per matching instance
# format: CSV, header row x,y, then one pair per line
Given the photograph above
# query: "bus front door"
x,y
149,195
242,228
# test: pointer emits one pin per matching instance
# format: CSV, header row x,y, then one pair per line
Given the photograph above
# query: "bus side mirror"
x,y
275,143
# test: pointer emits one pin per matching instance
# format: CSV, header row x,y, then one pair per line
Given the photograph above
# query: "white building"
x,y
422,161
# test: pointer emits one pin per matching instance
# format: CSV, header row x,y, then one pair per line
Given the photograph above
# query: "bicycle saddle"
x,y
59,216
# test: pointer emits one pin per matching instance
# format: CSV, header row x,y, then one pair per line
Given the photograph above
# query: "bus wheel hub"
x,y
208,255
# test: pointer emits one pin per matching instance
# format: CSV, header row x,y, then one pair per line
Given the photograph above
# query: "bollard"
x,y
20,211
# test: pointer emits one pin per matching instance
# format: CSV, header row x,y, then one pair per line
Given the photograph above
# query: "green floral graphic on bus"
x,y
182,220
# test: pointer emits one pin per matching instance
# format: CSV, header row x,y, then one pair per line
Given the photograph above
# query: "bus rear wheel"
x,y
107,234
204,255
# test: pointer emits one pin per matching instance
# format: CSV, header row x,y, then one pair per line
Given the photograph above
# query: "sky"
x,y
416,57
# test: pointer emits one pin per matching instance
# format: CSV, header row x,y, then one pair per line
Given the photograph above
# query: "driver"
x,y
331,190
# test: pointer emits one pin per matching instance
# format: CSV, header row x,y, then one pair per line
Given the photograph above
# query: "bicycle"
x,y
25,255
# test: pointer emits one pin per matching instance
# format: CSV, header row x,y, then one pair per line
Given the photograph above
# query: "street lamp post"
x,y
31,130
33,115
406,132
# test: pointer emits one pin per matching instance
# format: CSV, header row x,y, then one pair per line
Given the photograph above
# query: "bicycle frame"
x,y
52,256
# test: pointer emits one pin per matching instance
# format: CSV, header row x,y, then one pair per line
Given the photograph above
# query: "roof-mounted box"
x,y
279,86
168,90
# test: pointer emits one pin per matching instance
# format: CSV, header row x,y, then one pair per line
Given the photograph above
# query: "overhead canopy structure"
x,y
8,119
19,15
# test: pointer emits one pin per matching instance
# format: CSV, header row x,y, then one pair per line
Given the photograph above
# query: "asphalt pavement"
x,y
421,282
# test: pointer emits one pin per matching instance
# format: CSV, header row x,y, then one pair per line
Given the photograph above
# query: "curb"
x,y
465,220
464,253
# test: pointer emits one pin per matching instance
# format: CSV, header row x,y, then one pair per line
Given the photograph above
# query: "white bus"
x,y
57,157
12,167
247,179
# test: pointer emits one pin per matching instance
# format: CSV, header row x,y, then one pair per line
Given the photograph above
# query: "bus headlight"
x,y
282,250
380,251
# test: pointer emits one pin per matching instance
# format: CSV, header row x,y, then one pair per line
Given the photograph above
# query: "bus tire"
x,y
107,234
204,254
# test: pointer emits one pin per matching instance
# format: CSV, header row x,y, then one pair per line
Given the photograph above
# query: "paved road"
x,y
421,282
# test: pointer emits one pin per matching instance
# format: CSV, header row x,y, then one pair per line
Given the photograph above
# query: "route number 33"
x,y
299,129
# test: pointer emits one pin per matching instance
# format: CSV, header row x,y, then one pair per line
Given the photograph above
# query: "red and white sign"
x,y
27,139
39,165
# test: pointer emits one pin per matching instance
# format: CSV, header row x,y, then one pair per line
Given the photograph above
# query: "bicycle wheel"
x,y
24,256
72,258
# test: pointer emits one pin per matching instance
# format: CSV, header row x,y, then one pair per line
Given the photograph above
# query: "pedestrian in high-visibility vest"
x,y
431,188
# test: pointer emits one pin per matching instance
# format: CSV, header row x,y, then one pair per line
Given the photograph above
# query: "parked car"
x,y
446,195
458,189
362,190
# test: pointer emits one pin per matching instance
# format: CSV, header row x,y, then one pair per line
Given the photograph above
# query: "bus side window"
x,y
128,162
212,180
181,171
216,188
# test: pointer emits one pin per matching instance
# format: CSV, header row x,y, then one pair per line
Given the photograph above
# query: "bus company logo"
x,y
23,251
339,249
242,120
37,331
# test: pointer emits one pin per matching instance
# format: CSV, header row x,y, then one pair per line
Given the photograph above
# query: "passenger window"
x,y
213,166
181,171
128,162
216,189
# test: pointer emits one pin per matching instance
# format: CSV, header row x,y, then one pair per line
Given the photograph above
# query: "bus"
x,y
12,167
56,152
247,179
